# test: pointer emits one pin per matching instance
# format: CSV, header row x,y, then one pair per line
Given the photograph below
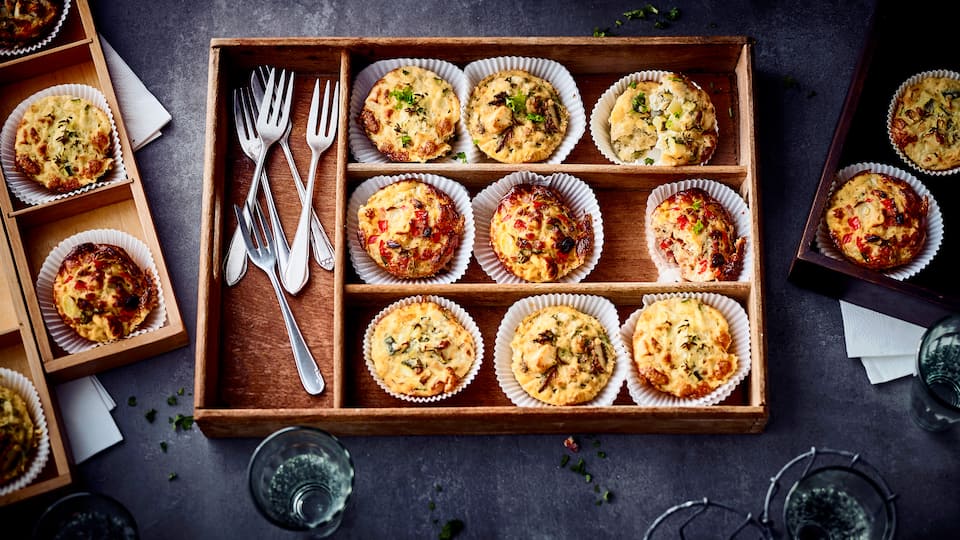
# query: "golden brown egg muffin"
x,y
925,124
102,293
632,131
685,119
515,117
24,21
410,228
680,346
19,436
877,221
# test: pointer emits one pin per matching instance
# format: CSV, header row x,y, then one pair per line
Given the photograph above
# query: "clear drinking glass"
x,y
301,479
838,503
935,392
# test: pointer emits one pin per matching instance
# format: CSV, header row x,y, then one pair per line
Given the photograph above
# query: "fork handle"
x,y
310,375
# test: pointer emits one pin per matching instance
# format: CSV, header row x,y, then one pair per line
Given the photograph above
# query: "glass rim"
x,y
920,372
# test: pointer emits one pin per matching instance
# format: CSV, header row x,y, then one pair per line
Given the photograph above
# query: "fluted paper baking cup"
x,y
361,147
551,71
63,335
645,395
32,192
462,317
369,271
891,112
669,271
574,192
44,41
934,220
15,381
597,306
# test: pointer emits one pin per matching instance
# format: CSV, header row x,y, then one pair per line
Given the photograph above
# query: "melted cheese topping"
x,y
410,228
680,347
926,123
695,231
411,114
536,236
515,117
101,293
420,349
22,21
63,142
632,131
562,356
18,435
877,221
685,120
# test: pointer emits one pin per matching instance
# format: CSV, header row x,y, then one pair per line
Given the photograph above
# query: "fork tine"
x,y
263,229
242,224
322,128
334,110
312,126
287,100
268,94
250,112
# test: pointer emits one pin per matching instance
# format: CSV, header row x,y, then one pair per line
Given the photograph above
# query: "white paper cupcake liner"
x,y
63,335
549,70
597,306
25,389
31,192
44,41
463,318
891,111
647,396
367,268
669,271
361,147
574,192
934,220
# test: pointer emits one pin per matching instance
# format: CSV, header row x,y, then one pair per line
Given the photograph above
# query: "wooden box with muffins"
x,y
83,284
510,216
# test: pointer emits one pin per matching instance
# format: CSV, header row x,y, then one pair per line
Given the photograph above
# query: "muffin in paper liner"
x,y
367,268
596,306
551,71
939,73
934,220
463,318
578,196
28,190
669,271
63,335
647,396
17,382
34,46
362,148
600,119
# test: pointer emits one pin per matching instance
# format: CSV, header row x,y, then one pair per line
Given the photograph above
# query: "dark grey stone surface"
x,y
512,486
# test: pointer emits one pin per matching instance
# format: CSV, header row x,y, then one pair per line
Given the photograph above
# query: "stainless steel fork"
x,y
257,243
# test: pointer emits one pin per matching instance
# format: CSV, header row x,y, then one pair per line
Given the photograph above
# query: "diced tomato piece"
x,y
80,286
682,222
854,223
373,239
519,224
382,224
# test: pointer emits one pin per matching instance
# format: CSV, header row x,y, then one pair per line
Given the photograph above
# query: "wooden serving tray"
x,y
246,382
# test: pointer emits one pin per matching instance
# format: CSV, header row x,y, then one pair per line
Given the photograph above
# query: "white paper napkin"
x,y
142,113
886,346
86,417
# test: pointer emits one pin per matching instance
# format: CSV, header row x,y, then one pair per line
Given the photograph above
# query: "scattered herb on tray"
x,y
151,415
181,422
163,446
132,401
172,476
660,18
450,529
172,400
580,467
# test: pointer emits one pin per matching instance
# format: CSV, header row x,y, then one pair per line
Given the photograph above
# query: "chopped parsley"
x,y
181,422
172,400
635,14
405,96
180,391
163,446
517,103
648,161
698,227
601,32
132,401
673,14
450,529
151,415
405,140
462,156
172,476
564,459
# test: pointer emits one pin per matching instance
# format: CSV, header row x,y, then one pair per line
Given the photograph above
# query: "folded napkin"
x,y
143,115
887,347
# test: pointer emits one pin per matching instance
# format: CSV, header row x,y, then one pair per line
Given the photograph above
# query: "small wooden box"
x,y
246,382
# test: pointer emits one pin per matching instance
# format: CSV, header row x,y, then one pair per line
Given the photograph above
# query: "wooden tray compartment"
x,y
246,382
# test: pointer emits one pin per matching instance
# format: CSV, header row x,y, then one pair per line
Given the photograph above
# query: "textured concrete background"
x,y
512,486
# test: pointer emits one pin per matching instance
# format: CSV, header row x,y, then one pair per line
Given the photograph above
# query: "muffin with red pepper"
x,y
877,221
695,231
410,228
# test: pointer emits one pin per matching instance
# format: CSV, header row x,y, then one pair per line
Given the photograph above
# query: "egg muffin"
x,y
925,124
410,228
632,131
24,21
411,114
421,349
694,230
536,236
515,117
877,221
562,356
63,143
680,346
19,436
685,119
101,293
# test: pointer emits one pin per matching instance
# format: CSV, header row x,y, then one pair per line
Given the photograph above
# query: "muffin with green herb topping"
x,y
685,119
925,122
632,131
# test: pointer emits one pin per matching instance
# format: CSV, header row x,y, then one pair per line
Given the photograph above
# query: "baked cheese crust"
x,y
536,236
926,123
680,346
421,349
23,21
410,228
632,131
411,114
685,119
694,230
102,293
562,356
19,436
515,117
63,142
877,221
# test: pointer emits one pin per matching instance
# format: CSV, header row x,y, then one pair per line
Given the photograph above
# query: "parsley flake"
x,y
151,415
132,401
172,400
181,422
172,476
163,446
462,156
450,529
648,161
